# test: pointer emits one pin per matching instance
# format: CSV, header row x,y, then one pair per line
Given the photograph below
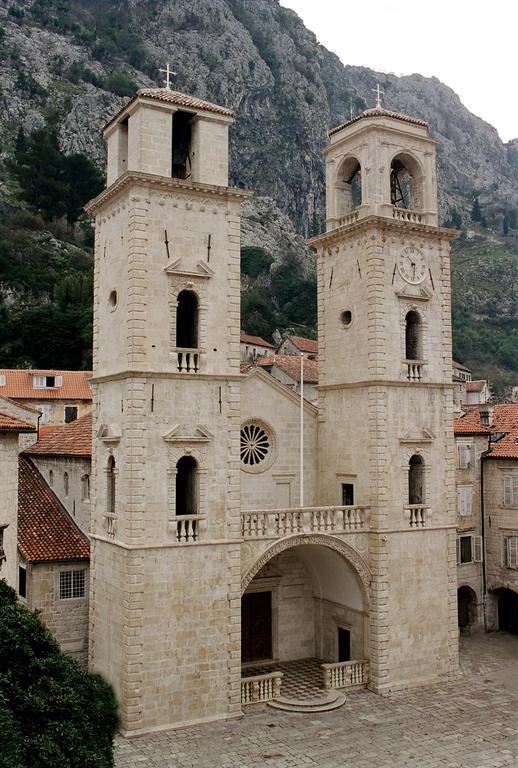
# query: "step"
x,y
322,704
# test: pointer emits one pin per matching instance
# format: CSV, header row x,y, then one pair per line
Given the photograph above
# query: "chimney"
x,y
486,415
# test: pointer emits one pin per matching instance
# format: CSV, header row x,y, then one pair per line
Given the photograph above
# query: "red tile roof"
x,y
304,345
475,386
11,424
460,367
46,532
74,439
504,421
19,385
290,364
379,112
245,338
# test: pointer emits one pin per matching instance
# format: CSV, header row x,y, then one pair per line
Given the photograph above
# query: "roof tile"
x,y
74,439
290,364
19,385
11,424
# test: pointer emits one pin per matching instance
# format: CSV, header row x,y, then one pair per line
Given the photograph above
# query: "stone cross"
x,y
168,75
378,93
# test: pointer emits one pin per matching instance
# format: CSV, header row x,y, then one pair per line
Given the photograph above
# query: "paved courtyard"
x,y
472,723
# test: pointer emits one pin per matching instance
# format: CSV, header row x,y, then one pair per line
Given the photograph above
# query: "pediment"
x,y
202,270
423,293
109,433
181,433
418,435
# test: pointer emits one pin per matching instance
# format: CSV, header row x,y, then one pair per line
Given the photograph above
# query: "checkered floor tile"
x,y
301,679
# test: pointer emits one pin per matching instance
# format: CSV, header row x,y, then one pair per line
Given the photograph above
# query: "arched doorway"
x,y
507,610
466,607
305,602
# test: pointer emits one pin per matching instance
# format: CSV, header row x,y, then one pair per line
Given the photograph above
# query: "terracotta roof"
x,y
460,367
11,424
379,112
19,385
173,97
304,345
290,364
46,532
74,439
504,424
245,338
475,386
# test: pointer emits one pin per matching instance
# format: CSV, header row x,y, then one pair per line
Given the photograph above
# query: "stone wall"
x,y
9,505
76,501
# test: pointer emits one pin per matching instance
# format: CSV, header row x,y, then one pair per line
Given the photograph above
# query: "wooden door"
x,y
256,627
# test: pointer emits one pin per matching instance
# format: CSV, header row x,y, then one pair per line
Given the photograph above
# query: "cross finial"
x,y
168,75
379,94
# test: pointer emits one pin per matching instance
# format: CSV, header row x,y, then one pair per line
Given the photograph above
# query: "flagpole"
x,y
301,429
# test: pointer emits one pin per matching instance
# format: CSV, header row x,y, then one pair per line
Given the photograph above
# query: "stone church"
x,y
234,523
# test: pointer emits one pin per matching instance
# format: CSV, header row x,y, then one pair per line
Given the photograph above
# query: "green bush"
x,y
121,83
52,713
255,261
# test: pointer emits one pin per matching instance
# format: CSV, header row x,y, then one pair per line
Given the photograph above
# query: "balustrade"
x,y
349,218
405,214
344,674
188,360
260,688
188,527
414,370
273,523
416,515
109,522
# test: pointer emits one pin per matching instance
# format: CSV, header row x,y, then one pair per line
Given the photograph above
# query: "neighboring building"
x,y
208,550
253,347
487,488
461,375
477,392
295,345
53,564
287,368
60,396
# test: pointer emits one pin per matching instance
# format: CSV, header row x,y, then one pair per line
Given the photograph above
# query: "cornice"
x,y
191,377
381,223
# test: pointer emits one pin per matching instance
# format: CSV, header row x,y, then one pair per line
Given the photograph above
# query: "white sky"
x,y
471,45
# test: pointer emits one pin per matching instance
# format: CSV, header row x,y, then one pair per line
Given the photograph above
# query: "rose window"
x,y
255,444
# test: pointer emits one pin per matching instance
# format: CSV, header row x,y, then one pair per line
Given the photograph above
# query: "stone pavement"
x,y
472,723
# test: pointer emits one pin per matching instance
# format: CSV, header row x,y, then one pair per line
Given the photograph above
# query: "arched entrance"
x,y
303,601
507,610
466,607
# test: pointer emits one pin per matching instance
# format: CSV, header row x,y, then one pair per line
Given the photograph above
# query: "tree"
x,y
476,211
52,713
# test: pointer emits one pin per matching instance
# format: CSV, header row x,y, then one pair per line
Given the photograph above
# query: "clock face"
x,y
411,264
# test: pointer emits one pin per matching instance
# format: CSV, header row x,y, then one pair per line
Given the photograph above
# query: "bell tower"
x,y
164,623
386,385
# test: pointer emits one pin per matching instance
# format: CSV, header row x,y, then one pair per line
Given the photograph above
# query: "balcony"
x,y
188,360
413,370
275,523
417,515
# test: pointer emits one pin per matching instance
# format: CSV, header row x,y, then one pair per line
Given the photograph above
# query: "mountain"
x,y
71,65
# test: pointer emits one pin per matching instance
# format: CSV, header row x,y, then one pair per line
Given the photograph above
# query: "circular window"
x,y
257,447
112,300
346,318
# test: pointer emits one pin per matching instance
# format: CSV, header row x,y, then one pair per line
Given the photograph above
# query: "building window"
x,y
511,551
464,455
2,548
511,491
469,549
70,413
65,483
46,382
347,494
22,581
85,487
187,320
465,500
51,478
45,414
186,486
71,584
2,380
416,480
413,336
110,486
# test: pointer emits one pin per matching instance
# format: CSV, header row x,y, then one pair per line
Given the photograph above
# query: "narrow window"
x,y
347,494
182,133
187,320
511,551
51,478
22,581
466,553
464,500
416,480
65,483
186,486
110,486
85,487
70,413
2,549
413,336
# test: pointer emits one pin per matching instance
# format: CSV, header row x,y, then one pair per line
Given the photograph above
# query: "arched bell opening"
x,y
348,187
406,182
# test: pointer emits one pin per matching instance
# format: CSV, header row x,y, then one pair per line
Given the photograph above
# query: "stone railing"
x,y
272,523
416,514
345,674
109,524
405,214
260,688
188,360
188,527
413,370
349,218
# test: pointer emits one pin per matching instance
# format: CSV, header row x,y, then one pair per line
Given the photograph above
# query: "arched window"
x,y
413,336
110,486
187,320
349,187
416,480
51,478
405,182
65,483
186,486
85,487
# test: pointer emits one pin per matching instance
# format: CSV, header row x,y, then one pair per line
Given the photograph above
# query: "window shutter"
x,y
468,500
508,491
460,502
511,551
468,456
38,382
58,381
458,551
477,549
514,492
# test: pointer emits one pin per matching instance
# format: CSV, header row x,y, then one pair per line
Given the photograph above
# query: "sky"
x,y
471,45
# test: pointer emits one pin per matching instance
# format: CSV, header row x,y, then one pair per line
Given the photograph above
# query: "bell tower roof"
x,y
379,112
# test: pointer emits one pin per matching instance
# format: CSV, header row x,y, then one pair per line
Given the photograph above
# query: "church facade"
x,y
233,525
